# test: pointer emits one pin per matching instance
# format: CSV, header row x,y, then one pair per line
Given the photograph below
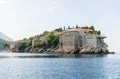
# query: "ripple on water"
x,y
106,67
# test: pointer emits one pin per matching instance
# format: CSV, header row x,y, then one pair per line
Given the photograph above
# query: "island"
x,y
75,40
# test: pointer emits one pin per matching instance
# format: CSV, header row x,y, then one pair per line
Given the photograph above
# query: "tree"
x,y
53,40
68,27
92,27
23,45
95,32
45,32
50,36
58,29
5,44
64,28
77,26
99,32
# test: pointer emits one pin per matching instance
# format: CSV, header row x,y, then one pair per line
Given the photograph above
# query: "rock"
x,y
41,50
28,49
92,50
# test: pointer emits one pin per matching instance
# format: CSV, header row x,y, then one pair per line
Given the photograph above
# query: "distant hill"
x,y
4,38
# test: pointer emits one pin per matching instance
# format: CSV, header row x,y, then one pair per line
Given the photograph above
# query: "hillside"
x,y
4,39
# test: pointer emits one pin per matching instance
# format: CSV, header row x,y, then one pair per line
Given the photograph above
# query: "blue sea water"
x,y
41,66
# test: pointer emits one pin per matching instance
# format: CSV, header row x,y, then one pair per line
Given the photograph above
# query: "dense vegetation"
x,y
94,31
53,40
23,45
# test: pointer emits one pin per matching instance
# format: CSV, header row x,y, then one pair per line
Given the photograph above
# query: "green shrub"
x,y
53,40
23,45
38,44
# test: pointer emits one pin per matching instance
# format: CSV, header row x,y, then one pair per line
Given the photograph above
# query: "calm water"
x,y
45,66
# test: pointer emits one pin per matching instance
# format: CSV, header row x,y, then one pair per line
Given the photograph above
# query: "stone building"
x,y
78,39
71,39
95,41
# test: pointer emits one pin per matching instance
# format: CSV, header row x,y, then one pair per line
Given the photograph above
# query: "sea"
x,y
57,66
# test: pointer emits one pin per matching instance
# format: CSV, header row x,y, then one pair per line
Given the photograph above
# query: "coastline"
x,y
53,51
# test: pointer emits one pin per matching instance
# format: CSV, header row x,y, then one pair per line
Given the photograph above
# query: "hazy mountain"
x,y
4,38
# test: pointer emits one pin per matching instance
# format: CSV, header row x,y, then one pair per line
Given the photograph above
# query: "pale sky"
x,y
25,18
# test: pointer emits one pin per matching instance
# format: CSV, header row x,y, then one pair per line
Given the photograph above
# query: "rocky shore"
x,y
85,50
81,51
57,50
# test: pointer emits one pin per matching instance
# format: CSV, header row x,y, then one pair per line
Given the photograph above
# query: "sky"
x,y
25,18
